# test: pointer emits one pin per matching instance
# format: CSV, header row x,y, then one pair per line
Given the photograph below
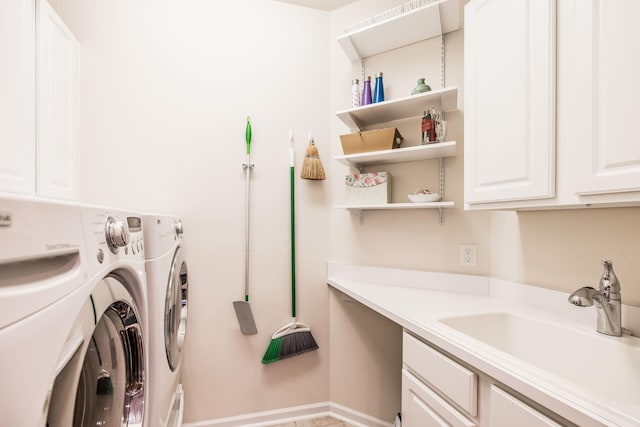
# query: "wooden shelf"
x,y
390,206
401,108
401,30
398,155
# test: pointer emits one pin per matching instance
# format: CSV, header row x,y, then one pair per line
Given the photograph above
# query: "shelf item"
x,y
410,27
424,196
371,141
391,206
398,155
401,108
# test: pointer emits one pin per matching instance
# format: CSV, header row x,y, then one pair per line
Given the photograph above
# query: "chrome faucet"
x,y
606,299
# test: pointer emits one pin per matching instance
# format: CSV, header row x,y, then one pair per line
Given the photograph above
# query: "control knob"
x,y
116,233
178,228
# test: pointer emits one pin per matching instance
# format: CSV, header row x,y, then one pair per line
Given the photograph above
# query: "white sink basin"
x,y
602,364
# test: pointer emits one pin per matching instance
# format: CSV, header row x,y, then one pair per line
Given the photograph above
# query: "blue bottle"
x,y
378,95
366,92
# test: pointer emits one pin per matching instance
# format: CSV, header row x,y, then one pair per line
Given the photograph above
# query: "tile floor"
x,y
316,422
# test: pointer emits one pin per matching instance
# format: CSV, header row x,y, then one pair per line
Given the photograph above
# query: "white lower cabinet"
x,y
421,406
440,391
508,411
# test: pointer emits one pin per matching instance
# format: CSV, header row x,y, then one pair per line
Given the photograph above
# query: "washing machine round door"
x,y
175,313
108,368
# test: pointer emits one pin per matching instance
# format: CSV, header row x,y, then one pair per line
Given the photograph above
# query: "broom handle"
x,y
293,229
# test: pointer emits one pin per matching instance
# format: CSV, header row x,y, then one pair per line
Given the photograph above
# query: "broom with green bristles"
x,y
294,338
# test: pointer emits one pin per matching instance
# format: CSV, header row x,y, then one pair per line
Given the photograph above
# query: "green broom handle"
x,y
293,246
293,224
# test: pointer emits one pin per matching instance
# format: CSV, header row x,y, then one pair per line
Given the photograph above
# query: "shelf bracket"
x,y
442,61
359,213
355,124
441,161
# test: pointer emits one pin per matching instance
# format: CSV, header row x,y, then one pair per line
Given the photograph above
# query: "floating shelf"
x,y
401,108
389,206
401,30
398,155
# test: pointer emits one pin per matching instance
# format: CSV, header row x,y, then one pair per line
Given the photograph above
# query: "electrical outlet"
x,y
468,255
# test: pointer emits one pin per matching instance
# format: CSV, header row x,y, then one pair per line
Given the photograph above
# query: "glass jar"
x,y
421,87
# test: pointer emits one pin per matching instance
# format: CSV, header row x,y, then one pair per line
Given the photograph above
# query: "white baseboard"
x,y
355,417
295,413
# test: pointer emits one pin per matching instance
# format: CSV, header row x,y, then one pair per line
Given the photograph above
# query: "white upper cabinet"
x,y
510,63
57,145
514,107
17,96
608,61
38,101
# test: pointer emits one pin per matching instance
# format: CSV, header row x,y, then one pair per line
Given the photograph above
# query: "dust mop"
x,y
294,338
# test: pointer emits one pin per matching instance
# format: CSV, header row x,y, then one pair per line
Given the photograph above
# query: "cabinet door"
x,y
507,411
607,93
509,126
17,96
422,407
56,161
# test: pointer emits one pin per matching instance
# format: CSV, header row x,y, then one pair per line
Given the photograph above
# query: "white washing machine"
x,y
72,316
167,289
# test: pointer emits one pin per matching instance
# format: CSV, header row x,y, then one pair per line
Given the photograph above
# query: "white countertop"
x,y
416,300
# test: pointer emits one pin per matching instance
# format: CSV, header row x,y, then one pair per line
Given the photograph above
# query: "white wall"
x,y
166,88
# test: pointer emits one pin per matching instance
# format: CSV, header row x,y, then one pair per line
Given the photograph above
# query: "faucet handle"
x,y
609,282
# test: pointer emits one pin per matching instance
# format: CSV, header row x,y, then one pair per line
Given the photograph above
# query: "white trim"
x,y
356,418
295,413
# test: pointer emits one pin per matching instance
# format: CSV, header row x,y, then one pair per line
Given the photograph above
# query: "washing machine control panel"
x,y
113,235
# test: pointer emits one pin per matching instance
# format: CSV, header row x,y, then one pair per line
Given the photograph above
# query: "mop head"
x,y
289,341
312,166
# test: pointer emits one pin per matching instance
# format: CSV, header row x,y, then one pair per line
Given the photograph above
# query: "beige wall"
x,y
562,249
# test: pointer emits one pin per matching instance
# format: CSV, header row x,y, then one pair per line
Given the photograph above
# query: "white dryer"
x,y
167,290
72,315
